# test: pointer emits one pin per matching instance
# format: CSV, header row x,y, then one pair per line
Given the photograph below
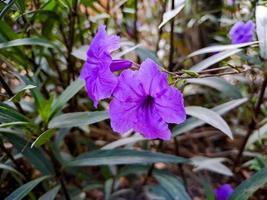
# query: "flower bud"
x,y
261,24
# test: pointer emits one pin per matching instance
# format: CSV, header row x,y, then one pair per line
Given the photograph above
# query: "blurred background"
x,y
55,145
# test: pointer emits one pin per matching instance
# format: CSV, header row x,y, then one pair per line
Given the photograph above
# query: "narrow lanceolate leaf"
x,y
78,119
24,190
167,16
193,122
123,156
214,59
257,135
80,53
51,194
34,156
70,91
219,84
211,164
172,185
43,138
9,168
27,41
20,93
124,141
218,48
210,117
251,185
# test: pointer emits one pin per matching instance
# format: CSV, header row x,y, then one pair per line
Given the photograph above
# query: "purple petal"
x,y
151,125
153,80
103,43
120,64
94,63
170,106
100,84
249,26
122,115
223,192
127,89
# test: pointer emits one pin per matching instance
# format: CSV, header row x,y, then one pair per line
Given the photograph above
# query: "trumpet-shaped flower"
x,y
223,192
242,32
98,68
144,101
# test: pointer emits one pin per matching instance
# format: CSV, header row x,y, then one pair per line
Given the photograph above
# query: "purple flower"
x,y
98,68
223,192
144,101
229,2
242,32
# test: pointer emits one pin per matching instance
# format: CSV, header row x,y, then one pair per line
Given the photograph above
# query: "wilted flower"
x,y
261,25
242,32
144,101
98,68
223,192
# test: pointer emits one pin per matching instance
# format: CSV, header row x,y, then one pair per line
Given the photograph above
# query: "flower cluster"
x,y
142,99
242,32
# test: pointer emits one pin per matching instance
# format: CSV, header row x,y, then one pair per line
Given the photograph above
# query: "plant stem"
x,y
171,42
180,166
135,21
10,156
152,167
253,123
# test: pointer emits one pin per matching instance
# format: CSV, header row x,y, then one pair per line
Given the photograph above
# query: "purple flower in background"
x,y
223,192
98,68
229,2
242,32
144,101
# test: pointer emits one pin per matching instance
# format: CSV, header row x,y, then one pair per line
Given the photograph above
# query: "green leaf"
x,y
70,91
25,189
9,168
27,41
204,64
172,185
145,53
193,122
249,186
34,156
167,16
257,135
211,164
6,8
210,117
219,84
123,156
217,48
20,93
43,138
45,108
9,114
78,119
208,189
20,4
124,141
51,194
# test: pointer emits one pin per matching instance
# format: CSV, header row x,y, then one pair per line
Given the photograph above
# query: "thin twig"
x,y
171,42
180,166
152,167
253,123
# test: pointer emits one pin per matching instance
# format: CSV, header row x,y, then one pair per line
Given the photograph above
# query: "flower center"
x,y
148,102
